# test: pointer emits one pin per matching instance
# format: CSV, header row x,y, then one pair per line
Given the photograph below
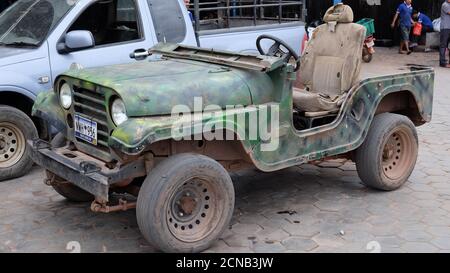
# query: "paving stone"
x,y
246,229
333,241
442,243
263,247
302,230
272,234
439,231
419,247
415,236
297,243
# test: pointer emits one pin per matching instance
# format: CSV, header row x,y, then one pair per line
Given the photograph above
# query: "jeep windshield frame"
x,y
225,58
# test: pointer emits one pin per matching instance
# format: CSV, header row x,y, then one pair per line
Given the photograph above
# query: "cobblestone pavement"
x,y
303,209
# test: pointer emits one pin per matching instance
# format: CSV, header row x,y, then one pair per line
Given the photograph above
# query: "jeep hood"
x,y
150,88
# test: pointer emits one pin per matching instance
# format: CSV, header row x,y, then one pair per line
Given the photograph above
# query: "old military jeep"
x,y
119,132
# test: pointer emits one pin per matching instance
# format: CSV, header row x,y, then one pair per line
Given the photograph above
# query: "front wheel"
x,y
388,156
185,203
15,128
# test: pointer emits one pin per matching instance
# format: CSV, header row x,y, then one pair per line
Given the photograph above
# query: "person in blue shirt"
x,y
427,26
404,14
188,3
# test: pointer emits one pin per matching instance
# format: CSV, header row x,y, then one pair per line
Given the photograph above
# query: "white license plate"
x,y
86,129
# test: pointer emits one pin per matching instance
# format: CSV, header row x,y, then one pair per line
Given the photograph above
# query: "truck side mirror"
x,y
76,40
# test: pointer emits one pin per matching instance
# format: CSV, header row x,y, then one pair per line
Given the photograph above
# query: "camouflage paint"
x,y
143,86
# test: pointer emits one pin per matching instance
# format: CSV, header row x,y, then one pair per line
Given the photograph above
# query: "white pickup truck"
x,y
40,39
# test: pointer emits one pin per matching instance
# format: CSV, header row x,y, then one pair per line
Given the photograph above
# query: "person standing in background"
x,y
404,12
427,26
187,3
445,33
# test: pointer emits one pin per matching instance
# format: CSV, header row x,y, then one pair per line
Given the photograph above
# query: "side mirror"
x,y
76,40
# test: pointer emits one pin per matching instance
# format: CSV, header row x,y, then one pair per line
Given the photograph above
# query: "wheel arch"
x,y
24,102
230,153
402,102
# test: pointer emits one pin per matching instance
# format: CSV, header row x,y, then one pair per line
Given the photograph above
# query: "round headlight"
x,y
118,112
65,96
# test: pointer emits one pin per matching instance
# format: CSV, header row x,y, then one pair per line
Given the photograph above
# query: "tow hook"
x,y
102,207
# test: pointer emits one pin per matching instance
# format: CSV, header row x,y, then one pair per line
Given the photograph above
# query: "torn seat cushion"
x,y
330,66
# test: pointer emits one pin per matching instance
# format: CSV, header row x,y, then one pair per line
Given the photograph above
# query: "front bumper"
x,y
82,170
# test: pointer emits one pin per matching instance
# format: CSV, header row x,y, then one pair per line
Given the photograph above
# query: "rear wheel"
x,y
15,128
185,203
388,156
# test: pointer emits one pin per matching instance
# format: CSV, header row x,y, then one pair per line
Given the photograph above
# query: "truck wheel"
x,y
68,190
388,156
15,128
185,203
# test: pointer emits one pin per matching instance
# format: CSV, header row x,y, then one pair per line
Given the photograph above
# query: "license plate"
x,y
86,129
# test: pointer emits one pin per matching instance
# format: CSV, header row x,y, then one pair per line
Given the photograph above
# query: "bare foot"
x,y
402,52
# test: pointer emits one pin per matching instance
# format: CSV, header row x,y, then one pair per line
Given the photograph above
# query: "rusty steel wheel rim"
x,y
193,211
398,154
12,144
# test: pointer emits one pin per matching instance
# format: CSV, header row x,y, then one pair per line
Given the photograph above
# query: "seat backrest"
x,y
331,62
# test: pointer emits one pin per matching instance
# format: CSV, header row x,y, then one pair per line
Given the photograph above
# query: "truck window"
x,y
18,25
110,22
218,15
168,20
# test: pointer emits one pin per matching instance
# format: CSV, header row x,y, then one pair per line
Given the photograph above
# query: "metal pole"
x,y
254,12
197,20
228,13
280,11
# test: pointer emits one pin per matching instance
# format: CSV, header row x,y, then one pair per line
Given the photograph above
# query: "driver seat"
x,y
331,63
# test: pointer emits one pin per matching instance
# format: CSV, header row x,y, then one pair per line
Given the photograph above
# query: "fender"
x,y
350,129
17,89
24,85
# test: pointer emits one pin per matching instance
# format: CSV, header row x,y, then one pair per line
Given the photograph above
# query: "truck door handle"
x,y
140,54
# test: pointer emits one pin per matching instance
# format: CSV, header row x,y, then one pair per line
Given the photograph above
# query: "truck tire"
x,y
185,204
15,129
388,156
68,190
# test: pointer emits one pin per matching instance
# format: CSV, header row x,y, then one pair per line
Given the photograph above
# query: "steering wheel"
x,y
276,50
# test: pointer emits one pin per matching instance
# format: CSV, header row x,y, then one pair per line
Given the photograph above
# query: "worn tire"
x,y
69,191
388,155
160,212
17,128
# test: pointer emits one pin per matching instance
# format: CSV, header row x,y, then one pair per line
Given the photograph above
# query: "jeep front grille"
x,y
92,105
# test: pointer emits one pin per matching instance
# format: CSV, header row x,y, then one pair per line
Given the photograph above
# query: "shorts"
x,y
405,31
